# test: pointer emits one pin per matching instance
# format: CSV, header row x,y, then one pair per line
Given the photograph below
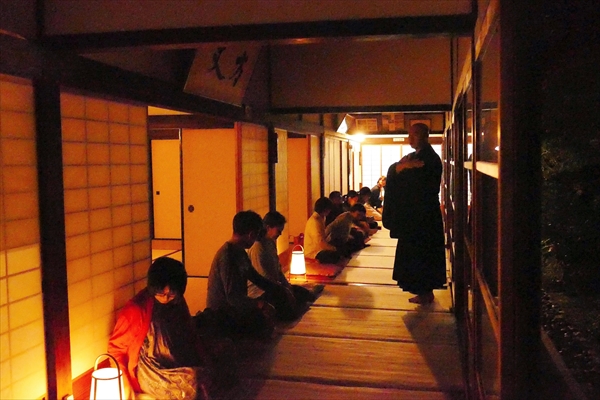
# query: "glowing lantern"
x,y
107,383
298,265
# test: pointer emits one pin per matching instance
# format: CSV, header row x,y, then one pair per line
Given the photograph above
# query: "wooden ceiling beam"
x,y
21,58
195,121
362,109
297,32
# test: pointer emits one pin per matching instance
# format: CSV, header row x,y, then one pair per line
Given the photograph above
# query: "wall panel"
x,y
403,72
105,241
22,348
210,192
255,168
315,170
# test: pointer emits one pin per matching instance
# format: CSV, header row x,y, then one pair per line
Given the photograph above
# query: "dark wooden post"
x,y
272,160
52,238
520,196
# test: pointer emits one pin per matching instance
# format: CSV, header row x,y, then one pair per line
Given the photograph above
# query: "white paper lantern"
x,y
107,383
298,265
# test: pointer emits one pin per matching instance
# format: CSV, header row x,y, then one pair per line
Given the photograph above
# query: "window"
x,y
376,159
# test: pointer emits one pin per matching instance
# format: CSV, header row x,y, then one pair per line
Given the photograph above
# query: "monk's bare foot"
x,y
426,298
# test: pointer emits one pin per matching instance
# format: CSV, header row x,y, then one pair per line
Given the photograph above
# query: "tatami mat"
x,y
378,297
378,276
358,323
356,362
290,390
382,241
378,251
361,340
372,262
315,268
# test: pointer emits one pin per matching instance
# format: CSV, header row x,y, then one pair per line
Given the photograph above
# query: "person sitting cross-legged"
x,y
346,233
315,244
265,260
338,206
228,278
377,194
154,340
351,199
372,214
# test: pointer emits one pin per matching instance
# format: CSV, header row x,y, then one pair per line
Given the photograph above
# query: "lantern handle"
x,y
298,245
109,356
119,372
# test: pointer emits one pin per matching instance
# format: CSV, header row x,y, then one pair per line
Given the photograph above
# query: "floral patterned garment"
x,y
169,367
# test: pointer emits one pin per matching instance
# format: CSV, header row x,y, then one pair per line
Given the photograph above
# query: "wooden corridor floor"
x,y
362,340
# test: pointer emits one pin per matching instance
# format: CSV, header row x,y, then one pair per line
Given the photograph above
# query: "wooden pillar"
x,y
520,196
322,152
459,210
52,238
272,160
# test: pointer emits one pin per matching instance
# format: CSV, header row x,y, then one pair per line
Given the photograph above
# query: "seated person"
x,y
351,199
154,341
376,199
346,233
228,278
336,199
265,261
372,214
315,245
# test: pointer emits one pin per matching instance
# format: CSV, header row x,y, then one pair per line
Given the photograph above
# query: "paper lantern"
x,y
107,383
298,265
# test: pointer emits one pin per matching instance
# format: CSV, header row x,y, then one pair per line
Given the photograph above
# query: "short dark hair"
x,y
274,218
245,222
352,193
365,190
336,194
358,207
323,204
164,272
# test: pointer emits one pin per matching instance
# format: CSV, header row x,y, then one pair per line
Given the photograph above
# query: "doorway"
x,y
165,150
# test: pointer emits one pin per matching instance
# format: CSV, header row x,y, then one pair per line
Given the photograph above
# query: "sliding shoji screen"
x,y
22,348
255,168
105,158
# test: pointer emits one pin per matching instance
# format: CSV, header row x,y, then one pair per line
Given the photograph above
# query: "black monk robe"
x,y
412,214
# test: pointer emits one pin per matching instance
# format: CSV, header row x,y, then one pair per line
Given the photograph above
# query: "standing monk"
x,y
412,214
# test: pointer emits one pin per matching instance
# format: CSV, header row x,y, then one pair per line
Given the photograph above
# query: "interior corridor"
x,y
361,339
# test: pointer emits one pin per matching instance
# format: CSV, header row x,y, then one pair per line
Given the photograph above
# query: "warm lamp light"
x,y
357,137
107,383
298,265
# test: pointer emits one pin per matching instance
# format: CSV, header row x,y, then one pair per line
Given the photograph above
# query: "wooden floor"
x,y
361,339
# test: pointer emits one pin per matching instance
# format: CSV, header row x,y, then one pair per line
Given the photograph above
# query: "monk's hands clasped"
x,y
406,164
